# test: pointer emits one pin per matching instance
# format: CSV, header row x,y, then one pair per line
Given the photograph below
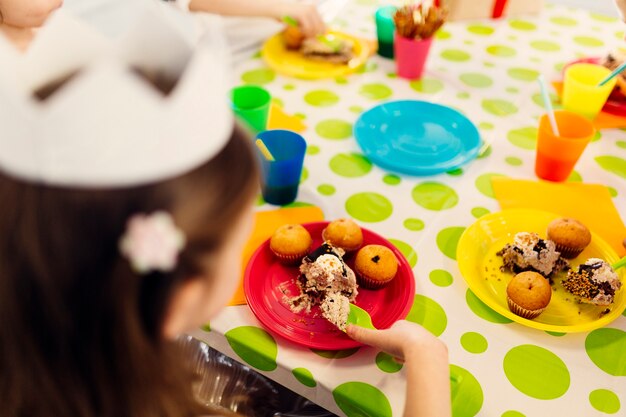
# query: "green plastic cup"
x,y
251,104
385,29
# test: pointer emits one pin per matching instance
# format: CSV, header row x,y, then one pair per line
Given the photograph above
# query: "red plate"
x,y
616,103
265,280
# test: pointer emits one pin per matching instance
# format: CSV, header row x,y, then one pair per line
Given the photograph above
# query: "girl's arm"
x,y
306,14
425,361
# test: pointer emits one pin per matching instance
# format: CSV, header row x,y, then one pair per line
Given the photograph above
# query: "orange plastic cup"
x,y
557,155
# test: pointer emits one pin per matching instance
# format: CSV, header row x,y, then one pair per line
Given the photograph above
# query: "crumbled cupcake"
x,y
336,308
529,252
595,282
325,280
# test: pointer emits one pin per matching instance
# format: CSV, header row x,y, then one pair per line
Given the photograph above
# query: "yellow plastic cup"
x,y
581,93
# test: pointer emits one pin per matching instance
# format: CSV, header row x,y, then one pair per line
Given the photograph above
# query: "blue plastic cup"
x,y
281,177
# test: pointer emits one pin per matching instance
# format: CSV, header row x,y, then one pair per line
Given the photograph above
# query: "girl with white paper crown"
x,y
126,197
19,19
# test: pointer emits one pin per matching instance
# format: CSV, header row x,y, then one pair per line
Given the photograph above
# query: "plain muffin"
x,y
528,294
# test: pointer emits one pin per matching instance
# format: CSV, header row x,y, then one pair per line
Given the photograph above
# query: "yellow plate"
x,y
294,64
480,266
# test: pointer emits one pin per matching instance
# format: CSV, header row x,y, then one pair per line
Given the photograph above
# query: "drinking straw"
x,y
612,75
548,104
619,264
266,152
290,21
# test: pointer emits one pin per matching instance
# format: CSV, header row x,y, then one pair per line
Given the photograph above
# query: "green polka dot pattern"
x,y
525,138
326,189
350,165
476,80
455,55
321,98
603,345
487,69
371,401
263,355
523,74
435,196
499,107
414,225
512,413
448,240
467,394
391,179
474,342
428,313
335,354
479,212
480,30
387,363
305,377
441,278
536,372
482,310
259,76
375,91
406,249
604,401
483,183
501,51
334,129
613,164
427,86
369,207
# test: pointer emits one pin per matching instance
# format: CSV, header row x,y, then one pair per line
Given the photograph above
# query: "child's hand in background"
x,y
306,14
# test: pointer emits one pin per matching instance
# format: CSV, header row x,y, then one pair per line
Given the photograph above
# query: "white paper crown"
x,y
107,126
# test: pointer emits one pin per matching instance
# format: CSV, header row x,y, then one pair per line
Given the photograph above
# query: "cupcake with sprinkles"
x,y
595,282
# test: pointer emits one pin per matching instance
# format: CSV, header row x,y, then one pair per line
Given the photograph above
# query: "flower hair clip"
x,y
152,242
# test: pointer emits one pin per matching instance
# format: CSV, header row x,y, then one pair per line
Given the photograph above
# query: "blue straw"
x,y
612,75
548,104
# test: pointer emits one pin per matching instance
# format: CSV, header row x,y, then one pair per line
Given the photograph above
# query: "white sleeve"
x,y
182,4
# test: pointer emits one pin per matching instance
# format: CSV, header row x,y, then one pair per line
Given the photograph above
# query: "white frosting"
x,y
330,264
542,261
605,273
335,309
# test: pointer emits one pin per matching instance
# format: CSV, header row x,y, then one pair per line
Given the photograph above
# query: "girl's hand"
x,y
309,19
402,340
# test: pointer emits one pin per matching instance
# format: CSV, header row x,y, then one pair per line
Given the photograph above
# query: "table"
x,y
487,70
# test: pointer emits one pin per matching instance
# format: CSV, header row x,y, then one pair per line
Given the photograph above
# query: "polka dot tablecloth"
x,y
487,70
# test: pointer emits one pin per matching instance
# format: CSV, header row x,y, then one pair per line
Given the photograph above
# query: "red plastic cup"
x,y
557,155
411,56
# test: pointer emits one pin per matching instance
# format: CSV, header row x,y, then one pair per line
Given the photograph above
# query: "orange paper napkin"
x,y
265,223
589,203
604,120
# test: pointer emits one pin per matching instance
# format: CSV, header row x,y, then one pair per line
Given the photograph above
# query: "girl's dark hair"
x,y
80,332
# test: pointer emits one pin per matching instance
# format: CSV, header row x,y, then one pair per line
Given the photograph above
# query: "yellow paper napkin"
x,y
589,203
265,223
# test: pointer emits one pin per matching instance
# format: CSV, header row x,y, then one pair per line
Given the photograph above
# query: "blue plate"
x,y
417,137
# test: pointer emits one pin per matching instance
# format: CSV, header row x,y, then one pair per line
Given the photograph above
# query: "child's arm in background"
x,y
306,14
425,360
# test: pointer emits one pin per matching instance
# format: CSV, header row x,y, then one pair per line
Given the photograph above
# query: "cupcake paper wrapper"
x,y
567,252
289,259
369,283
522,312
